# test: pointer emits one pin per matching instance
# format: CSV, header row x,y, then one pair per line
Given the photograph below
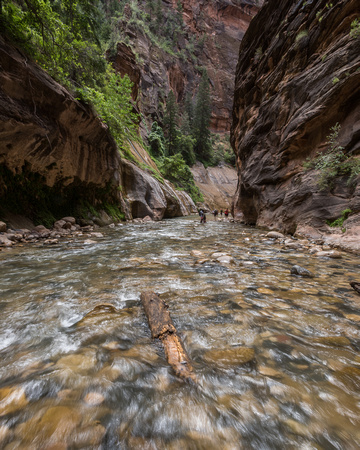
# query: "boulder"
x,y
5,241
275,235
71,220
301,271
3,227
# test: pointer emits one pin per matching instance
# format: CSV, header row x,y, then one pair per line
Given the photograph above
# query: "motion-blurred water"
x,y
72,378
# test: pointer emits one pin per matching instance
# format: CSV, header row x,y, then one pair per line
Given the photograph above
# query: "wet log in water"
x,y
355,286
162,328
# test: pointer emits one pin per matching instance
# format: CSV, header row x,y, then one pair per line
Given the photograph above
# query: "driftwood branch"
x,y
162,327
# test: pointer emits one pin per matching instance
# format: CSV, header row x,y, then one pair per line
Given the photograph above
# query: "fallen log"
x,y
162,327
355,286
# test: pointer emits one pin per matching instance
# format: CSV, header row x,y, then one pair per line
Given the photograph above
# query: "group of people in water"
x,y
215,213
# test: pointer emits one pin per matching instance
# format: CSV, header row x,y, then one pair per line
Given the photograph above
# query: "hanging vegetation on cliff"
x,y
68,39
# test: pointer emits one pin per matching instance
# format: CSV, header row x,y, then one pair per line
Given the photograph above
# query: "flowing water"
x,y
78,373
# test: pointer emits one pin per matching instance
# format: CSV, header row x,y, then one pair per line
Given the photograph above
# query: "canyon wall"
x,y
211,37
56,155
217,184
297,76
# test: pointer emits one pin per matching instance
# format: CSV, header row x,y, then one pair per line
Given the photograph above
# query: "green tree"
x,y
171,118
175,170
156,141
188,109
202,115
185,141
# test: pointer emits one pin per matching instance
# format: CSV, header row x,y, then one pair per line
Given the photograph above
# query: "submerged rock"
x,y
55,425
94,398
12,399
227,358
334,341
301,271
329,254
349,376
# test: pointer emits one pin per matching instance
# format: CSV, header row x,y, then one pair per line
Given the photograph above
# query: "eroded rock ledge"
x,y
56,154
298,75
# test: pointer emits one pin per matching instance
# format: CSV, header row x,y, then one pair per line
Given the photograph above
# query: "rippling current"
x,y
77,373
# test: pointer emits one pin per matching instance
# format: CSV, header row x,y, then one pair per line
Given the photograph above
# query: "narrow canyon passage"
x,y
276,356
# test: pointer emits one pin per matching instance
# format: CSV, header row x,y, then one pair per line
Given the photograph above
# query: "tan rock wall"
x,y
217,184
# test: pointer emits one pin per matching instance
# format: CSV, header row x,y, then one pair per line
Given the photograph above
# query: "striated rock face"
x,y
49,139
56,153
217,184
219,26
298,75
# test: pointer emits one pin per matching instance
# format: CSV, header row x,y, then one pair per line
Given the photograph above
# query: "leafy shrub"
x,y
174,169
340,220
113,104
355,29
333,162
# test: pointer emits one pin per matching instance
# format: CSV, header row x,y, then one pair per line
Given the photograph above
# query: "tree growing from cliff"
x,y
171,119
202,115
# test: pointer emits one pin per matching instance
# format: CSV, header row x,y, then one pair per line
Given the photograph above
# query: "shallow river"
x,y
78,375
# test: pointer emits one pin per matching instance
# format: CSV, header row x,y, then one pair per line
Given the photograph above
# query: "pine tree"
x,y
189,108
202,115
185,142
171,117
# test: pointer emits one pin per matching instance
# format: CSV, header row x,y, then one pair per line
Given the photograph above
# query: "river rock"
x,y
94,398
12,399
226,259
290,243
270,372
5,241
5,433
77,363
89,437
226,358
89,242
218,255
41,230
301,271
62,225
197,253
334,341
97,235
51,241
329,254
275,235
55,425
71,220
3,227
350,376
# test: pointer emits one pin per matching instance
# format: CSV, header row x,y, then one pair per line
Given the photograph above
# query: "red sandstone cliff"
x,y
298,75
56,154
214,29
